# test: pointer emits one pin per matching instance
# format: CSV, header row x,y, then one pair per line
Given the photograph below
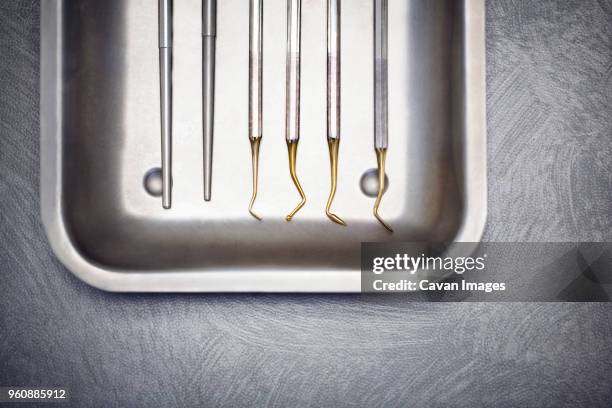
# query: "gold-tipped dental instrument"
x,y
292,114
209,38
381,155
381,102
333,99
165,86
255,90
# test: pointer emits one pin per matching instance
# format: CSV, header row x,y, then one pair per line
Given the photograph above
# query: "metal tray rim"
x,y
330,281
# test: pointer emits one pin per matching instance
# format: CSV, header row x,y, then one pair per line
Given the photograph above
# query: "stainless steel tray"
x,y
100,135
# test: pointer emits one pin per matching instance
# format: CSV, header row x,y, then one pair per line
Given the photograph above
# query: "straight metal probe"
x,y
165,83
209,36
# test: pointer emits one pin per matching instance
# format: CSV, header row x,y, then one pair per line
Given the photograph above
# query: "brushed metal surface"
x,y
98,127
326,350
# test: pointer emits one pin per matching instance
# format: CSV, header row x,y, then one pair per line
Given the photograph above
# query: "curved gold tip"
x,y
292,148
334,146
381,155
255,142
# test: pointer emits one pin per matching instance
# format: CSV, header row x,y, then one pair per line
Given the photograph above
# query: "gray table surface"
x,y
550,179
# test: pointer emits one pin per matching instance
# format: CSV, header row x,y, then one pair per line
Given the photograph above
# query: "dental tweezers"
x,y
333,99
165,82
292,113
255,90
381,102
209,36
